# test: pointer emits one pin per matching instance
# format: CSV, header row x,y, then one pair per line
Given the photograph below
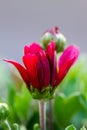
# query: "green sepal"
x,y
45,94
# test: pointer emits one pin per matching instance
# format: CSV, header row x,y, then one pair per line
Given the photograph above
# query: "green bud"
x,y
36,127
46,38
4,111
60,42
15,127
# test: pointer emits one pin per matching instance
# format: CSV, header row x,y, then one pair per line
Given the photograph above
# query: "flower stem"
x,y
42,113
50,115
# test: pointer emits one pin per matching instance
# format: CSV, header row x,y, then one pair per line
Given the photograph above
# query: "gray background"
x,y
24,21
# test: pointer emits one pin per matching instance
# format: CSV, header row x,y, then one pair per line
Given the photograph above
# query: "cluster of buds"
x,y
54,34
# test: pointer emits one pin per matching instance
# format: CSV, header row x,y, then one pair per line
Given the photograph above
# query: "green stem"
x,y
5,125
42,113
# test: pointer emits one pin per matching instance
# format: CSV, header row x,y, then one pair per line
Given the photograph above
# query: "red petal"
x,y
51,54
30,61
32,48
40,74
45,67
22,71
39,70
67,59
54,70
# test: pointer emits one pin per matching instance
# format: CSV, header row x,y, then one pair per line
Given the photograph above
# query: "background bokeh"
x,y
24,21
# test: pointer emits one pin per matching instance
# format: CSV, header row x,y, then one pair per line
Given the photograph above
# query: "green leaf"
x,y
71,127
22,102
33,120
66,107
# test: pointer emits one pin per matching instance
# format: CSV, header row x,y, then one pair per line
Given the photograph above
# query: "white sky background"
x,y
24,21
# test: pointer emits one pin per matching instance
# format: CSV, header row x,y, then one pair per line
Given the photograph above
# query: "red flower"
x,y
41,68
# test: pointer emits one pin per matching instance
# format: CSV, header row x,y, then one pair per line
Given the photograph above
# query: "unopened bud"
x,y
46,38
36,127
60,42
53,34
15,126
4,111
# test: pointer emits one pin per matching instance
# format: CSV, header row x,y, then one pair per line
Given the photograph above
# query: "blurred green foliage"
x,y
71,127
69,104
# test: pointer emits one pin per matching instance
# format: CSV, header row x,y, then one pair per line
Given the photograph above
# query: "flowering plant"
x,y
42,72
